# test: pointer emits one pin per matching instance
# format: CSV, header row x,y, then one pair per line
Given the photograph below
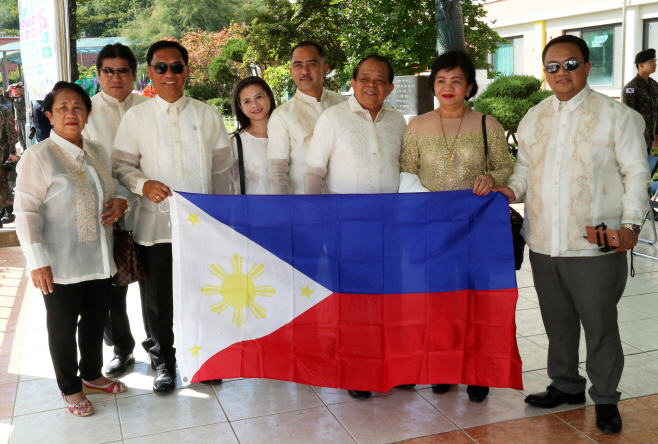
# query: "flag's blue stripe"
x,y
380,243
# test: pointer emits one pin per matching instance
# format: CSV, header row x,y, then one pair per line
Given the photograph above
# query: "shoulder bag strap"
x,y
243,187
486,143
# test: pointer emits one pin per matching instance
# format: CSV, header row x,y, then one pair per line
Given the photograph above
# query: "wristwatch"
x,y
634,228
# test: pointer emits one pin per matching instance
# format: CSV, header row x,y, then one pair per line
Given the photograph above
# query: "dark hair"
x,y
376,58
166,44
580,43
116,51
307,44
241,117
49,100
455,58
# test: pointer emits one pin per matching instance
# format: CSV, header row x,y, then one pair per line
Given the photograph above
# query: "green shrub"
x,y
203,91
506,110
234,49
223,104
518,87
536,97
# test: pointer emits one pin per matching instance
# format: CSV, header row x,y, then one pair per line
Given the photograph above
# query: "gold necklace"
x,y
450,153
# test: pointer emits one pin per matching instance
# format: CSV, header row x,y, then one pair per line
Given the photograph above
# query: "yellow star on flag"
x,y
306,292
195,350
194,218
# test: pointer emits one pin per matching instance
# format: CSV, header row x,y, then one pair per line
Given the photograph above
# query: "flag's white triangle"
x,y
207,254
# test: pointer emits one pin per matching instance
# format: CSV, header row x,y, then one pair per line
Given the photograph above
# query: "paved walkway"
x,y
264,411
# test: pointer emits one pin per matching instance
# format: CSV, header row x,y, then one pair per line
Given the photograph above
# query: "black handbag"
x,y
515,217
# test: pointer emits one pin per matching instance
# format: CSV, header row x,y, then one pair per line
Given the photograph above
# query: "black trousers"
x,y
117,328
87,301
158,303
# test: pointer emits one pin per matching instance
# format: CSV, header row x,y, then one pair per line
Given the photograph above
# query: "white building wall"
x,y
512,18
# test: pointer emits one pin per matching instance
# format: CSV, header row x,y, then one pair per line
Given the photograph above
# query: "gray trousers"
x,y
575,290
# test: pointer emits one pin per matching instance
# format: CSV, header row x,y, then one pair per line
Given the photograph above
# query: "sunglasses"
x,y
162,68
569,65
123,72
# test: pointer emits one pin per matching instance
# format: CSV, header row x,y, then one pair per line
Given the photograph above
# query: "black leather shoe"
x,y
608,419
552,397
440,389
165,380
359,394
477,393
406,386
118,365
8,215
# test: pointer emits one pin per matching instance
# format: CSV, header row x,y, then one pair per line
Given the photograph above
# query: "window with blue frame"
x,y
508,58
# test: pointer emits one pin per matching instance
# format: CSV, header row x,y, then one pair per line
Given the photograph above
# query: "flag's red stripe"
x,y
375,342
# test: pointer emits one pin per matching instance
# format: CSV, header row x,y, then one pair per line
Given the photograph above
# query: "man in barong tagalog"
x,y
117,71
290,127
171,142
581,162
356,145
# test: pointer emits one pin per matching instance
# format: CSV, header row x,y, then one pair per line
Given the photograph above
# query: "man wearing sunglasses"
x,y
581,161
117,71
169,143
641,94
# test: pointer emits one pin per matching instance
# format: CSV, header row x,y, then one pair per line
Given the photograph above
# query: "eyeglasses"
x,y
162,68
123,72
569,65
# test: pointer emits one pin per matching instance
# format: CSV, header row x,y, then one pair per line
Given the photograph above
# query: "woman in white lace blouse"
x,y
253,102
65,208
445,147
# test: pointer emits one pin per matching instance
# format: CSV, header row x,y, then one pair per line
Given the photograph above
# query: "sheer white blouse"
x,y
254,151
60,193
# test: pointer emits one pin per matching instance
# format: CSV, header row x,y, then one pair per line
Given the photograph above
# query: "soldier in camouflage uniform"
x,y
18,101
641,94
7,149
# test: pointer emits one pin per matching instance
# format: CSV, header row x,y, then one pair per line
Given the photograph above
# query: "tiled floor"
x,y
264,411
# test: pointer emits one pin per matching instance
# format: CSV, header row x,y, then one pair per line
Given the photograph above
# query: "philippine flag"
x,y
360,292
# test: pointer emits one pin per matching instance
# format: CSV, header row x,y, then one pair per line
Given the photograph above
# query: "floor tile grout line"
x,y
332,414
569,425
116,401
438,410
230,424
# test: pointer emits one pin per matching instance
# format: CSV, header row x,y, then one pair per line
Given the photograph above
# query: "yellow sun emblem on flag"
x,y
238,290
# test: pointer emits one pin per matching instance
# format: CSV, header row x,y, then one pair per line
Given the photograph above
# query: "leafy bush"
x,y
223,104
280,80
222,74
234,49
203,91
508,99
507,110
518,87
536,97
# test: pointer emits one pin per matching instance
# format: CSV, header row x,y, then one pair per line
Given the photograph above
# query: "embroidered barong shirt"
x,y
289,130
184,145
60,193
580,163
352,154
102,126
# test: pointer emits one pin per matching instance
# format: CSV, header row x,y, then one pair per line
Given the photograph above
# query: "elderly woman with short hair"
x,y
65,208
445,148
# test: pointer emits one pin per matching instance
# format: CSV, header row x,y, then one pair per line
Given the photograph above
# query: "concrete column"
x,y
634,32
540,42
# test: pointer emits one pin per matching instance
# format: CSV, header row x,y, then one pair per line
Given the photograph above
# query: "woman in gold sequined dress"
x,y
445,147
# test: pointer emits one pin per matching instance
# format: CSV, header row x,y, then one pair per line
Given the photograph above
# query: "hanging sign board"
x,y
43,33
